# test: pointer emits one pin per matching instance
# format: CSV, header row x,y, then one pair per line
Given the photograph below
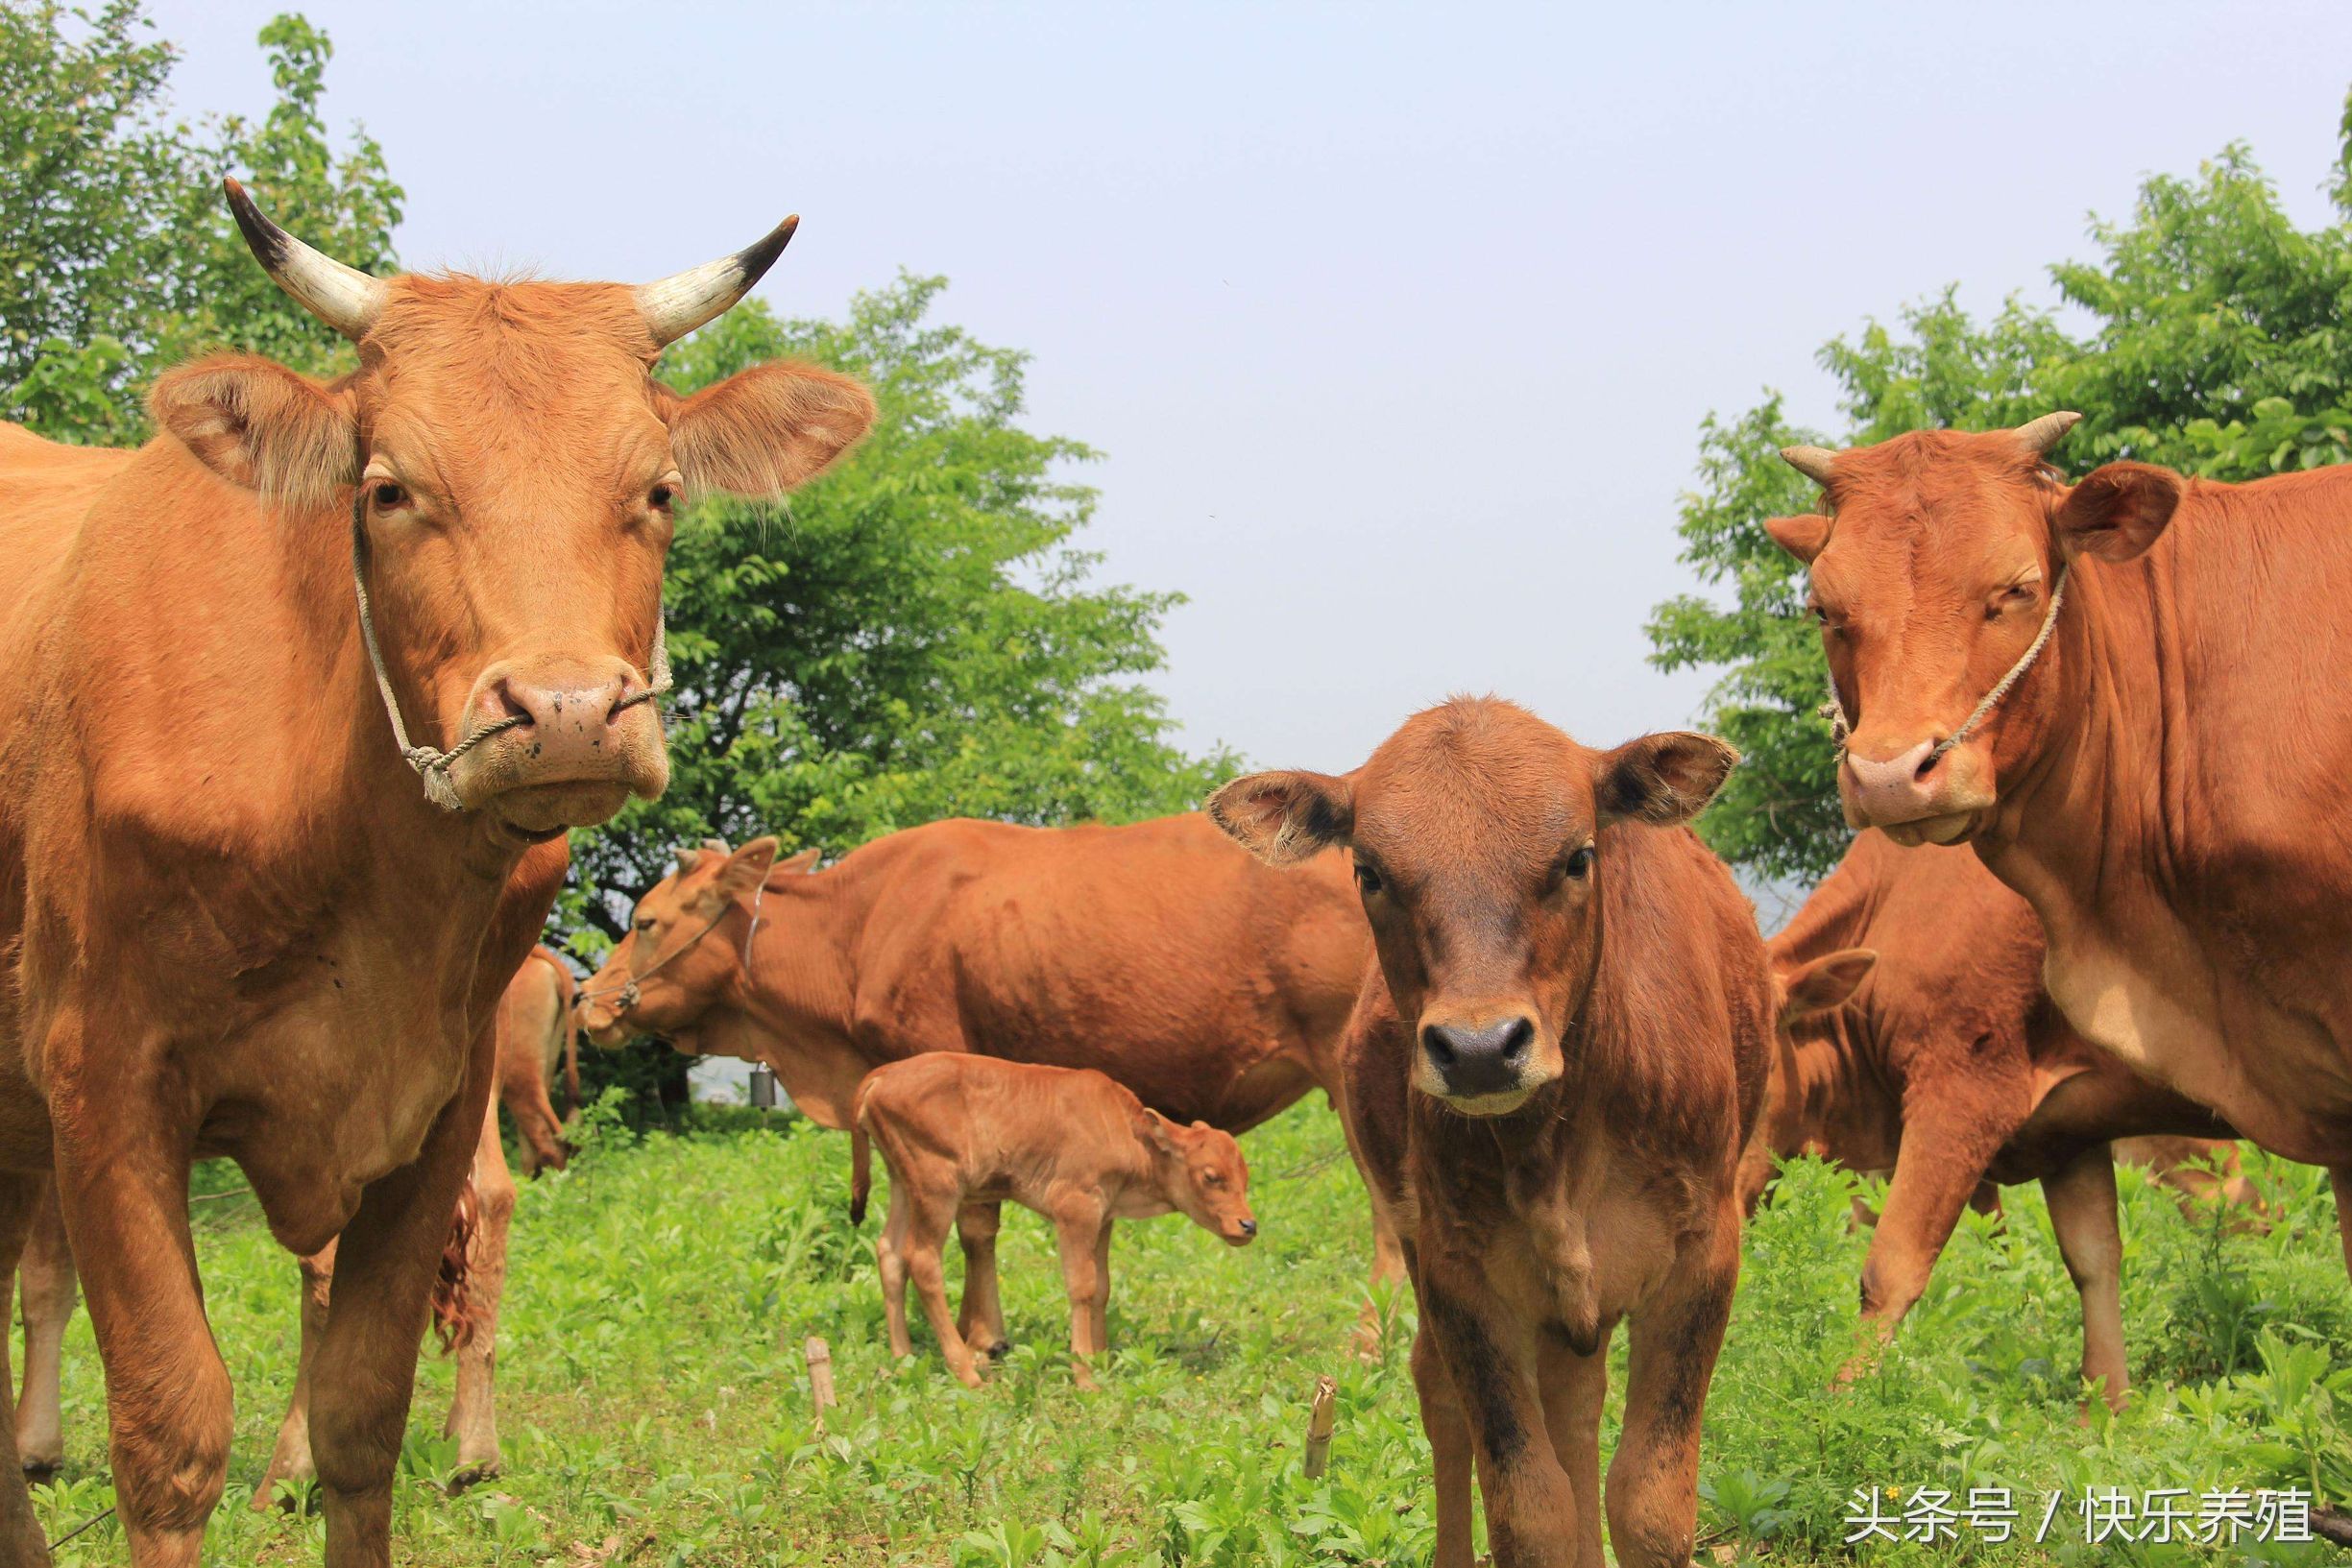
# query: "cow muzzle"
x,y
1484,1066
1918,795
583,736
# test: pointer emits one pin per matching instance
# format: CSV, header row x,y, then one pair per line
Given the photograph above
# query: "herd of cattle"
x,y
252,910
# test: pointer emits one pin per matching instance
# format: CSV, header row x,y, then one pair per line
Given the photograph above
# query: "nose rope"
x,y
1834,710
627,990
432,766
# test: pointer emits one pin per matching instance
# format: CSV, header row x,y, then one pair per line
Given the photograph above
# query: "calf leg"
x,y
982,1322
1654,1479
2081,1197
49,1291
473,1411
1448,1430
1102,1294
364,1373
290,1457
1078,1232
1575,1387
891,1263
22,1544
1530,1506
2340,1182
926,1227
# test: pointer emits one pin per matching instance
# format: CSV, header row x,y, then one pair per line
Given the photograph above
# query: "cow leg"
x,y
2081,1196
981,1322
22,1543
1575,1387
473,1411
1530,1506
1448,1430
536,1125
49,1291
1078,1233
927,1228
1654,1479
290,1456
168,1399
891,1263
364,1374
2340,1182
1387,1250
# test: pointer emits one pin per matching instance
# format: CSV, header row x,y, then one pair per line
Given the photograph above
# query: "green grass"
x,y
652,1387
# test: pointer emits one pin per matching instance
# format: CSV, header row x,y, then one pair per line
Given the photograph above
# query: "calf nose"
x,y
1249,1227
1900,790
1479,1059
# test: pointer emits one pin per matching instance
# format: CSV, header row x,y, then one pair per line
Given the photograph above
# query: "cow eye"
x,y
1579,865
1368,878
387,495
1212,1179
662,498
2015,596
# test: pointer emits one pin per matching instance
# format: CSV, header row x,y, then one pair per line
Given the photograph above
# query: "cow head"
x,y
515,471
684,949
1200,1171
1477,832
1932,568
1801,991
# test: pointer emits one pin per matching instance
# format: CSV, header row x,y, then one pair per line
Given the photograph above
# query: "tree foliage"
x,y
2215,345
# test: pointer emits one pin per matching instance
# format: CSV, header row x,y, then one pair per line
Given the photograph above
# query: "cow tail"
x,y
453,1320
861,1169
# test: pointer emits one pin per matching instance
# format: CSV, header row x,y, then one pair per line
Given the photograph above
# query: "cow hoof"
x,y
998,1351
474,1474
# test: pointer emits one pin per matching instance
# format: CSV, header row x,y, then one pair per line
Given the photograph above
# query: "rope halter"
x,y
1841,731
626,995
433,766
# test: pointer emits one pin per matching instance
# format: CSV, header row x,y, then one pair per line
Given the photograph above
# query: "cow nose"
x,y
1480,1059
1249,1227
1900,790
578,699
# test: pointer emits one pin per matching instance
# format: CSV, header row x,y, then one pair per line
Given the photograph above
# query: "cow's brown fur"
x,y
1553,1180
1073,1144
1946,1064
1159,954
536,1037
2167,786
234,922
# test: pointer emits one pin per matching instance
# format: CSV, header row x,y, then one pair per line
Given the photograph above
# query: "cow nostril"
x,y
1438,1043
1515,1041
1926,763
1249,1227
512,706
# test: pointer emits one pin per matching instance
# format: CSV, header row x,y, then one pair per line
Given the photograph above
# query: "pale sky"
x,y
1396,323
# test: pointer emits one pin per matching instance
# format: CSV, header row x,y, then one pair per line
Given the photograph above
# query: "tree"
x,y
911,636
2216,346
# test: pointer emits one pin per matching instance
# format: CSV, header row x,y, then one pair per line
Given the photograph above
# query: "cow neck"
x,y
800,977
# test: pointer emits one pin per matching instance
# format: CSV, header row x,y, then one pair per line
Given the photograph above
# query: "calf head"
x,y
1200,1171
515,473
686,946
1801,993
1480,837
1932,565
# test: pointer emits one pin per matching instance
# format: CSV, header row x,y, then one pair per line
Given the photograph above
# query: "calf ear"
x,y
1284,818
769,428
1802,536
801,860
1154,1129
2116,512
1824,983
1662,779
259,424
747,869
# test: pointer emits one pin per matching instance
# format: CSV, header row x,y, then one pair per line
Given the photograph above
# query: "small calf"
x,y
1072,1143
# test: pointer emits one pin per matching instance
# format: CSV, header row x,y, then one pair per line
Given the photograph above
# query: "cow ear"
x,y
1662,779
1284,818
801,861
2116,512
767,429
1802,536
1154,1129
259,424
1826,983
747,869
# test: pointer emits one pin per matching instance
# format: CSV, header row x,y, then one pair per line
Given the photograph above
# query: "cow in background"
x,y
1552,1068
1915,1037
296,703
1160,953
535,1035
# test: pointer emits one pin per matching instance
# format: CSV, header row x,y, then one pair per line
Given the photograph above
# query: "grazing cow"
x,y
297,702
1950,1069
1210,985
48,1284
1074,1144
1552,1070
2127,695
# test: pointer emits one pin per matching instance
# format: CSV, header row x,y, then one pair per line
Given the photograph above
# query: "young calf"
x,y
1072,1143
1553,1065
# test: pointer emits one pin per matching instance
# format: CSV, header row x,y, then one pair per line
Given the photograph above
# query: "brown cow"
x,y
2165,781
535,1034
1159,952
1551,1072
235,924
1073,1144
1950,1069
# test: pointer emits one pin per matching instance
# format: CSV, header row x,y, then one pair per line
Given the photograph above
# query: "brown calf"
x,y
1552,1068
1071,1143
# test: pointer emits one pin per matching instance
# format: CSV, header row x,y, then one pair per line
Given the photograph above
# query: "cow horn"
x,y
1813,462
716,846
676,304
688,860
344,298
2043,434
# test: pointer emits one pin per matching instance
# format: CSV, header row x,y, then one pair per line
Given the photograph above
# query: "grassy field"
x,y
655,1408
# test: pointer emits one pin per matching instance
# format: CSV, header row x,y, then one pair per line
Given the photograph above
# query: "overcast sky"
x,y
1396,323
